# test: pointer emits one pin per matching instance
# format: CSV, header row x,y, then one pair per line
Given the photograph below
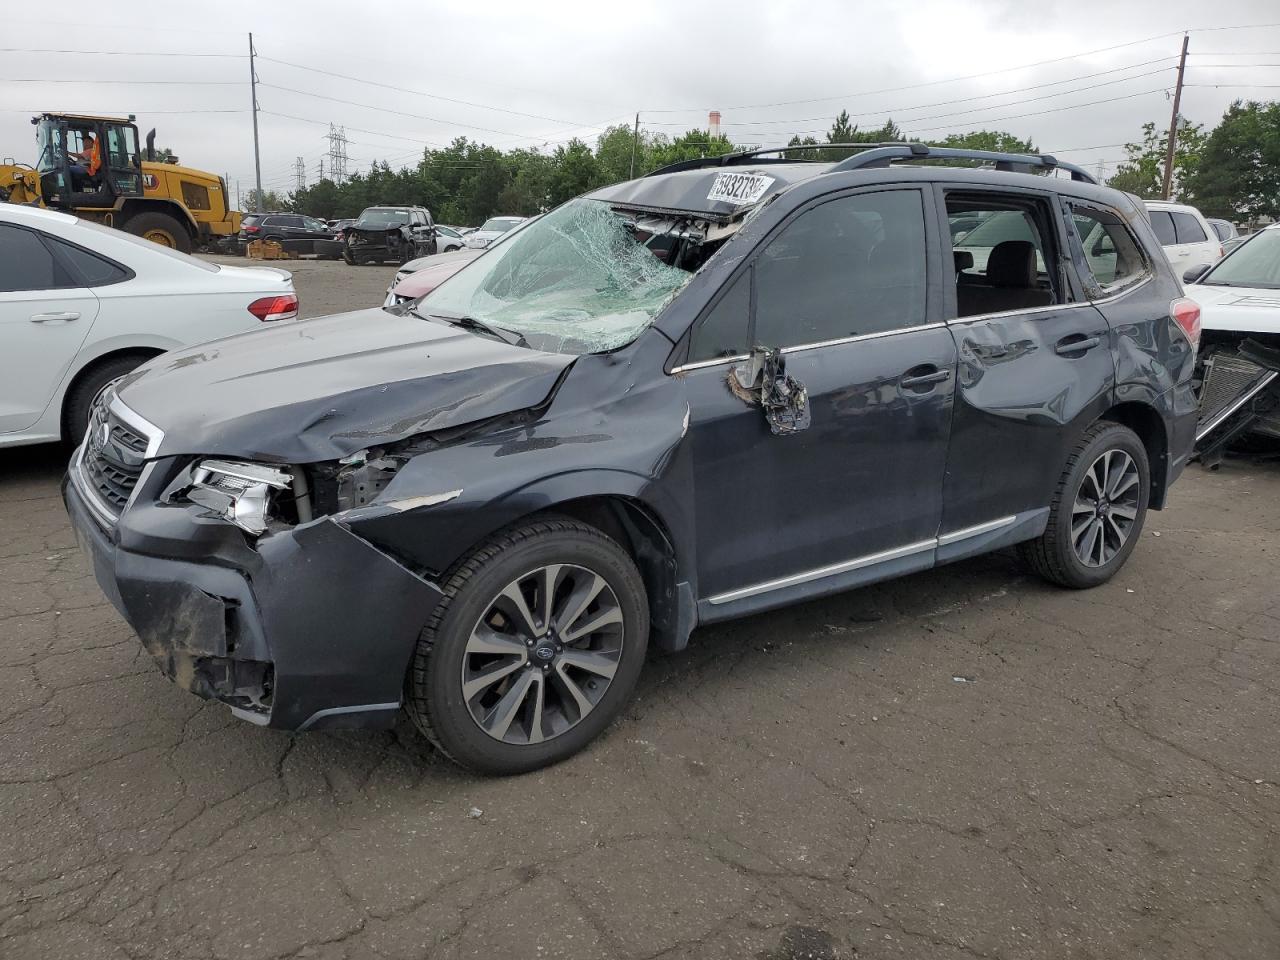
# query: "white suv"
x,y
1187,237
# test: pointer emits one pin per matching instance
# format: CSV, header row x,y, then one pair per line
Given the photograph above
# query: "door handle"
x,y
46,317
1075,343
925,376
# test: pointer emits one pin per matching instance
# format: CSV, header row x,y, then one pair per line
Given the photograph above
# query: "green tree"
x,y
796,141
614,150
688,146
270,201
1000,141
842,131
1239,173
575,171
1143,173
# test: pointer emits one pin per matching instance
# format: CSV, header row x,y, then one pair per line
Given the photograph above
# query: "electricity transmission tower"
x,y
300,172
337,153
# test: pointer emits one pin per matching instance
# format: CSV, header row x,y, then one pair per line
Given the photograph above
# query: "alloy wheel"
x,y
1105,508
543,654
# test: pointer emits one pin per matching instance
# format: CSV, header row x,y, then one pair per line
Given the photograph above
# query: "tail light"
x,y
1186,314
283,307
252,229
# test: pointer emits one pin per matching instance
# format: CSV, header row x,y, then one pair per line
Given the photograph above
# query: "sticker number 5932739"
x,y
739,188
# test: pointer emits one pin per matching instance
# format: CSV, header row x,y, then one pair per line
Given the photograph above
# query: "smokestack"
x,y
713,123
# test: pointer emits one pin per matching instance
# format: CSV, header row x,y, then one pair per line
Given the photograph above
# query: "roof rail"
x,y
873,155
882,155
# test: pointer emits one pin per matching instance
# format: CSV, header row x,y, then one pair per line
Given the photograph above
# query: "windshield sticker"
x,y
739,188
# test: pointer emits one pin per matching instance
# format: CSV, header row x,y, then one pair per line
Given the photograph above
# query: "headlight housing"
x,y
238,492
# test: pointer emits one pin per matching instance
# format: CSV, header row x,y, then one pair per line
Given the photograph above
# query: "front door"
x,y
843,289
44,318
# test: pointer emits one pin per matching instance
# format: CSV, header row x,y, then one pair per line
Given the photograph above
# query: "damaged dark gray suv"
x,y
734,384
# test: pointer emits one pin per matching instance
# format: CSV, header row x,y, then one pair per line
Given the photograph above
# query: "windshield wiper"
x,y
479,326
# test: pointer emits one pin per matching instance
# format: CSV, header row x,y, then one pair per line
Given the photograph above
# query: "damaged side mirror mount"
x,y
762,379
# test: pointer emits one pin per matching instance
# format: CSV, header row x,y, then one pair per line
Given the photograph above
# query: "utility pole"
x,y
300,173
635,142
257,157
1173,124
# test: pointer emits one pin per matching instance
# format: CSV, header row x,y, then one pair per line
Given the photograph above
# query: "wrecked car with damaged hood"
x,y
728,386
389,233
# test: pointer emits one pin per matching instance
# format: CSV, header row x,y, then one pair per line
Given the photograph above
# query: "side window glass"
x,y
848,267
94,271
1000,254
1188,228
723,331
1110,250
26,264
1162,224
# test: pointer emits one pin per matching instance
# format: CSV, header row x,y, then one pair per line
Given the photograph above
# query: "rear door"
x,y
847,287
45,315
1034,365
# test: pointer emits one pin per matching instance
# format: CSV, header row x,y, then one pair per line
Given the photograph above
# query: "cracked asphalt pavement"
x,y
963,763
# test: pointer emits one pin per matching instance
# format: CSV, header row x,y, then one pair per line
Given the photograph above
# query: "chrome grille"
x,y
111,459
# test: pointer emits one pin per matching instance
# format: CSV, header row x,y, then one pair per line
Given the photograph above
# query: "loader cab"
x,y
87,162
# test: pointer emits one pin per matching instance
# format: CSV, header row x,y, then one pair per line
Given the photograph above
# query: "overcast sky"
x,y
539,74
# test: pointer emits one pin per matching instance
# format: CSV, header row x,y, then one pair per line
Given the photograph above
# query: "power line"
x,y
957,113
132,83
400,113
423,93
1019,116
976,76
121,53
102,112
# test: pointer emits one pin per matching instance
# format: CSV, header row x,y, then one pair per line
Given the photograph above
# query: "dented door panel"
x,y
1023,397
863,477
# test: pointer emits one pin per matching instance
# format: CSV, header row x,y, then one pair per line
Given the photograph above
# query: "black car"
x,y
398,234
282,226
731,385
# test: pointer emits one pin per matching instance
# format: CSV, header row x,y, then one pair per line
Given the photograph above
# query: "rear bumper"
x,y
311,628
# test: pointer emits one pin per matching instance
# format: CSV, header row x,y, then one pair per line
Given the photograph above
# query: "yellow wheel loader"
x,y
92,167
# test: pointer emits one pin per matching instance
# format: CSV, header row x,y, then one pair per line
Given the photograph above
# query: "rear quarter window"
x,y
1188,228
1162,224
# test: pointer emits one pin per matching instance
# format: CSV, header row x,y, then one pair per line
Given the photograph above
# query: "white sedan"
x,y
82,305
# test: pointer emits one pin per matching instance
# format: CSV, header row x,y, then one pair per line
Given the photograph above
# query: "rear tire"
x,y
160,228
557,677
75,408
1097,510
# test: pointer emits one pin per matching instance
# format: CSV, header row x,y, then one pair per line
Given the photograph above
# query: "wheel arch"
x,y
627,507
1146,421
637,527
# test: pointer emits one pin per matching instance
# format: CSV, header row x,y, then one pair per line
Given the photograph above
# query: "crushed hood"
x,y
1238,309
322,389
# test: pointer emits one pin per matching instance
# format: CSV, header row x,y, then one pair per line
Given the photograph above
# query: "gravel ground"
x,y
963,763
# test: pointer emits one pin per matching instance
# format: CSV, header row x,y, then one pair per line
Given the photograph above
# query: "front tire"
x,y
534,649
75,415
1097,511
160,228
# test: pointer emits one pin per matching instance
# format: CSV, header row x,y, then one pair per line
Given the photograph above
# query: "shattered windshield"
x,y
1255,264
581,279
385,218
